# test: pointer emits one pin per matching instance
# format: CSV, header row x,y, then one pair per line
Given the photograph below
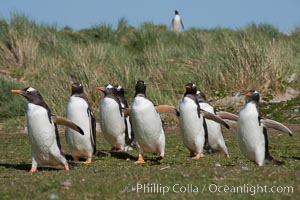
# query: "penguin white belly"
x,y
215,136
177,24
191,126
80,145
250,134
112,123
147,126
42,137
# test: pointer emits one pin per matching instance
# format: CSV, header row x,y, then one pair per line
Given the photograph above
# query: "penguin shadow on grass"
x,y
27,167
291,157
105,153
122,155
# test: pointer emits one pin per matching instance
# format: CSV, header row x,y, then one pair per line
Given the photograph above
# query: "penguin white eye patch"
x,y
30,89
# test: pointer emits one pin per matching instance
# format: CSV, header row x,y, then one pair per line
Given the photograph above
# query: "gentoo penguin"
x,y
177,24
214,136
42,131
112,118
192,123
146,124
79,112
129,135
252,133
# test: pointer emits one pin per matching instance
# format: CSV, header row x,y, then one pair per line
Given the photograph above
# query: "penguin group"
x,y
140,126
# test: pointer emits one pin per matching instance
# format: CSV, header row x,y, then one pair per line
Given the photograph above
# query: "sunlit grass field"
x,y
113,175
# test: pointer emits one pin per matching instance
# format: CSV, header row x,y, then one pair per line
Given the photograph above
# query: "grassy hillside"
x,y
220,61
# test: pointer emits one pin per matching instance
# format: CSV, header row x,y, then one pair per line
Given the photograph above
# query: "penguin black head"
x,y
190,88
201,97
140,88
107,89
252,95
120,90
77,88
176,12
31,94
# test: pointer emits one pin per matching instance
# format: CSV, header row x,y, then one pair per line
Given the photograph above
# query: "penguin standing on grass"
x,y
192,122
146,124
214,135
177,24
252,131
42,131
129,135
79,111
112,118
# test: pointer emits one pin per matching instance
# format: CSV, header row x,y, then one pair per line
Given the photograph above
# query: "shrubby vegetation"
x,y
220,61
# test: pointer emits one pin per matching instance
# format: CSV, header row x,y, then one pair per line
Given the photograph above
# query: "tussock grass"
x,y
220,61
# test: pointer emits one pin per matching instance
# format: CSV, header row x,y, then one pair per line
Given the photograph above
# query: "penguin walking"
x,y
43,132
129,135
192,122
214,134
146,124
252,130
112,118
177,24
79,111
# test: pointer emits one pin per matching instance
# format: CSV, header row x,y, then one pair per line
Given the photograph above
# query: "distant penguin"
x,y
177,24
112,118
146,124
215,139
252,130
79,111
42,131
129,135
192,122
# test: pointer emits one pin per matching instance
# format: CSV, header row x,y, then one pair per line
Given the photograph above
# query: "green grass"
x,y
220,61
115,176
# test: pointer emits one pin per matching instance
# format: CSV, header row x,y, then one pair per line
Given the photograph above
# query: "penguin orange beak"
x,y
100,88
17,91
248,94
74,85
188,87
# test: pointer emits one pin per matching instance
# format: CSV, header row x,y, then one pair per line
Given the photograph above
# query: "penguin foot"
x,y
198,155
88,160
66,167
159,157
226,155
33,169
140,160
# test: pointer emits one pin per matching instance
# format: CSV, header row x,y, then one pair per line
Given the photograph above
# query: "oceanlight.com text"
x,y
251,189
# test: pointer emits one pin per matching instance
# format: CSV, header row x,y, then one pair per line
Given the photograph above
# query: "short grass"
x,y
113,175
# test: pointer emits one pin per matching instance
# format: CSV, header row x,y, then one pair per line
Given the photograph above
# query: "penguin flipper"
x,y
214,117
66,122
181,22
126,111
227,115
93,128
167,109
268,123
